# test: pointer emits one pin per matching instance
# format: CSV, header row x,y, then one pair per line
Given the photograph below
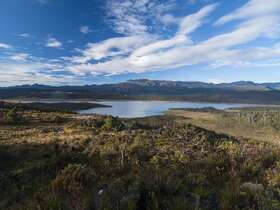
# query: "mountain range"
x,y
144,89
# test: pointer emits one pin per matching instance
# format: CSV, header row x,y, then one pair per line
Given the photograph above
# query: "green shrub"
x,y
112,123
73,187
12,116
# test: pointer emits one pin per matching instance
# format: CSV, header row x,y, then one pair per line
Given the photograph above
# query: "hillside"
x,y
50,107
259,123
237,92
61,161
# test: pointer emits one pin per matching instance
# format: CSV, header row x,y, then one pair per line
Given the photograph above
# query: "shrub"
x,y
12,116
112,123
73,187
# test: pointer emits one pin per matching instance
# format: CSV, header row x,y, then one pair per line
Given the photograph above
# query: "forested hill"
x,y
238,92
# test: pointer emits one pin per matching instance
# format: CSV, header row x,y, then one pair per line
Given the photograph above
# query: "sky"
x,y
71,42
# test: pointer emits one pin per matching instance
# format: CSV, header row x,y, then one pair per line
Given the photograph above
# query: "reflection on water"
x,y
131,109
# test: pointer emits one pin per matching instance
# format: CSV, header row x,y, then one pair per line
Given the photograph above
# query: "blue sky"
x,y
72,42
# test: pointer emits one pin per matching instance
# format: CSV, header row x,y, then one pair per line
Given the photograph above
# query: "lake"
x,y
133,109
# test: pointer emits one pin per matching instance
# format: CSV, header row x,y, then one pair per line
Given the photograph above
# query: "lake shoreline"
x,y
127,100
129,108
51,106
136,109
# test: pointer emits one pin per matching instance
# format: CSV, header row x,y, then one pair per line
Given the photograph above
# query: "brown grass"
x,y
216,121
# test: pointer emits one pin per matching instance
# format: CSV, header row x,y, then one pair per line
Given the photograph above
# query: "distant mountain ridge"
x,y
235,92
240,85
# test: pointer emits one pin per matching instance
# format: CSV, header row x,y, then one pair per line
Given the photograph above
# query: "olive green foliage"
x,y
259,123
256,118
106,163
12,116
67,107
73,185
112,123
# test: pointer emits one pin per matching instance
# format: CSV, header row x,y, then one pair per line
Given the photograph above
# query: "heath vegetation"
x,y
62,161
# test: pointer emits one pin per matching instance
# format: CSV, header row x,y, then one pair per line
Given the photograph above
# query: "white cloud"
x,y
205,51
141,48
5,46
25,35
168,19
187,25
161,45
253,9
252,57
33,70
111,47
215,81
134,17
53,43
19,57
192,22
126,18
21,74
85,29
180,50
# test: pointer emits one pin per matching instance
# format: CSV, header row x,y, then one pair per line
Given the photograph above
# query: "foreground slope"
x,y
60,161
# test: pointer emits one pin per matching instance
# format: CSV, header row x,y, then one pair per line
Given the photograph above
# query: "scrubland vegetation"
x,y
62,161
69,107
259,123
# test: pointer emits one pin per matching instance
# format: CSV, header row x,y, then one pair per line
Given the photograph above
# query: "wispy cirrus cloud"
x,y
140,46
187,25
131,17
111,47
127,54
159,54
253,9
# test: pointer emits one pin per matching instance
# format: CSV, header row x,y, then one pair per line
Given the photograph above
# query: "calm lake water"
x,y
132,109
